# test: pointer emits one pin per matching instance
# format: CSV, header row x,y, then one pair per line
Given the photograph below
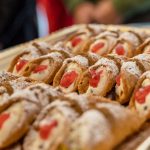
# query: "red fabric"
x,y
58,16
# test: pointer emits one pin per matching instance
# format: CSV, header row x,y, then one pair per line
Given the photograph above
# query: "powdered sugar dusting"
x,y
108,63
91,125
143,57
129,36
55,55
80,99
94,56
83,61
132,68
5,76
117,110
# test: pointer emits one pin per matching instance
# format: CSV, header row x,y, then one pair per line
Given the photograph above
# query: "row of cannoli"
x,y
101,78
39,117
125,43
86,40
89,73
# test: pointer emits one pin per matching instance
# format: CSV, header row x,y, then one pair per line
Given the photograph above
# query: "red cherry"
x,y
68,78
20,64
40,68
3,118
120,49
118,79
97,47
141,94
45,130
95,78
75,41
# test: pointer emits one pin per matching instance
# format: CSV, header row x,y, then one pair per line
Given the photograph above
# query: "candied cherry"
x,y
68,78
45,130
95,78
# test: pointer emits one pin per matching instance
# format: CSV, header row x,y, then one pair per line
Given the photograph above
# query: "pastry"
x,y
67,78
100,44
109,122
140,98
20,61
51,127
76,40
133,37
99,78
16,118
124,48
126,81
44,68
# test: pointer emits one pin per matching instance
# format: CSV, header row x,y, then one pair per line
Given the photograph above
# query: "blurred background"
x,y
24,20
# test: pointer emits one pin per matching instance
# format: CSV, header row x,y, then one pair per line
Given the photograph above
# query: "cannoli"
x,y
133,37
126,80
20,61
76,40
101,44
51,127
124,48
44,68
109,122
16,118
7,88
140,98
99,78
144,60
67,78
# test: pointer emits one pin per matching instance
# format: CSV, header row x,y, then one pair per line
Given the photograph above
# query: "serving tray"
x,y
8,54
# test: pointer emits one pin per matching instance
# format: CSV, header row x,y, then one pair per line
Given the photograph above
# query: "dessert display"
x,y
88,91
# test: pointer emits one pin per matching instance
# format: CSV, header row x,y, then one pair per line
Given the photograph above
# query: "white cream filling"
x,y
102,84
16,113
102,50
71,67
43,74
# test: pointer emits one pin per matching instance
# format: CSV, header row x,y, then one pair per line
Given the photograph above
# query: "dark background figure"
x,y
18,22
109,11
18,19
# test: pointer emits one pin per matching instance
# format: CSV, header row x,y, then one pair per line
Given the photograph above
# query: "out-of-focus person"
x,y
110,11
24,20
